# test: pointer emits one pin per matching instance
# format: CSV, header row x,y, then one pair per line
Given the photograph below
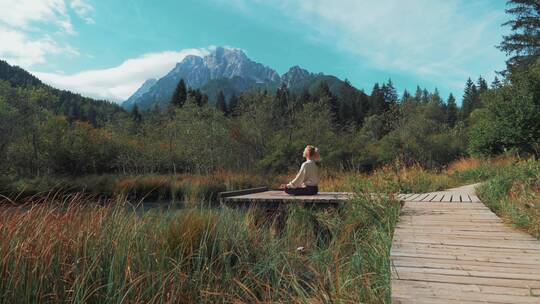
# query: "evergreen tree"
x,y
180,94
233,105
418,94
220,102
481,85
282,98
389,92
451,111
436,97
361,108
377,104
425,96
496,84
469,99
204,100
323,92
305,96
406,95
135,114
524,41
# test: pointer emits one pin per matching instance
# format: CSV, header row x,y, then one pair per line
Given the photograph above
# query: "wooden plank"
x,y
438,197
487,281
474,198
465,288
447,252
465,292
481,273
466,265
242,192
405,196
413,197
488,235
422,197
447,197
465,198
430,197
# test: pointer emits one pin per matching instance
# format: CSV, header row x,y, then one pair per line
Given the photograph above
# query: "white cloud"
x,y
83,10
19,49
118,83
22,14
23,39
444,41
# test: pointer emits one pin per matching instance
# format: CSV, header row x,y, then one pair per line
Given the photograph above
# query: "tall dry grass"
x,y
74,250
514,193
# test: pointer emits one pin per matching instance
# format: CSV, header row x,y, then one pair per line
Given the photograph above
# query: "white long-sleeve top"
x,y
307,176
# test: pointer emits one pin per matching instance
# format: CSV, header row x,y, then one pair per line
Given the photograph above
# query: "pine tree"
x,y
282,98
425,96
469,99
305,96
135,114
377,104
323,92
451,111
233,105
406,95
220,102
180,94
436,97
418,94
524,41
389,92
496,84
482,85
204,99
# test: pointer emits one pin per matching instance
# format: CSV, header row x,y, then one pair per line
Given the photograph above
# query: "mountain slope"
x,y
230,71
130,102
222,63
69,104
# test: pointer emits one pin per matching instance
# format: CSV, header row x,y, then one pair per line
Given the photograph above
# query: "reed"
x,y
77,250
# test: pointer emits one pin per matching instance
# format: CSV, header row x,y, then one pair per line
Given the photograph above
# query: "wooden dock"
x,y
450,248
262,197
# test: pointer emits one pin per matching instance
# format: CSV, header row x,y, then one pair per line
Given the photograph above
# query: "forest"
x,y
46,135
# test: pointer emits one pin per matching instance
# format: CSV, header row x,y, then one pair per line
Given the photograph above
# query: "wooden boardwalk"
x,y
262,197
450,248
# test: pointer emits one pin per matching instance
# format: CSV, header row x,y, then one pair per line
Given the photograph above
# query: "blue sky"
x,y
106,49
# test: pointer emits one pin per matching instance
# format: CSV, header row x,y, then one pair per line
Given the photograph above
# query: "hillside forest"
x,y
50,132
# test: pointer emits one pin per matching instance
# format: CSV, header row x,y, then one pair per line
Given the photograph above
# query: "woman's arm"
x,y
299,179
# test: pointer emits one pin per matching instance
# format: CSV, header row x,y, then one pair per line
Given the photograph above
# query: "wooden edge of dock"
x,y
222,195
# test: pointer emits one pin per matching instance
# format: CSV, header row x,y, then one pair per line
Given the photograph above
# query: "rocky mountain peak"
x,y
295,75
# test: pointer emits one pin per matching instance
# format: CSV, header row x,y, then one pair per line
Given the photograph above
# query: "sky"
x,y
108,48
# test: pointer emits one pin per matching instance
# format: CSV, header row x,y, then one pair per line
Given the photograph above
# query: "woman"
x,y
307,179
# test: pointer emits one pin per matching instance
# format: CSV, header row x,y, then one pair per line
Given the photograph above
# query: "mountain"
x,y
297,77
230,71
130,102
66,103
222,63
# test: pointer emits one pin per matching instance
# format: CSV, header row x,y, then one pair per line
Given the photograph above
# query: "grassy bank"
x,y
93,254
514,194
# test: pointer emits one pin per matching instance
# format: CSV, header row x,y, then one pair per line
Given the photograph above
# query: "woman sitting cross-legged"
x,y
307,180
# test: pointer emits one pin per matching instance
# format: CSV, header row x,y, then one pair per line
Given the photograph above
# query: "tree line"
x,y
47,132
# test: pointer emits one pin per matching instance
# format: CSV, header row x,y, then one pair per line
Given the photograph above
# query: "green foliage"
x,y
59,102
514,193
221,104
179,96
511,117
523,43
